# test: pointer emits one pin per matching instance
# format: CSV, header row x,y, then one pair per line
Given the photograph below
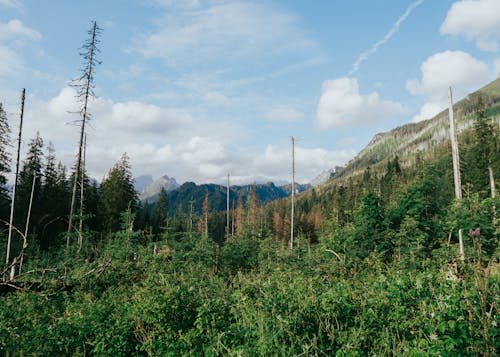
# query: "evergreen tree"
x,y
143,220
160,212
54,197
369,233
117,195
32,167
482,154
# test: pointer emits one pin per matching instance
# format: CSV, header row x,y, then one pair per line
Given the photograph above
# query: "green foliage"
x,y
117,195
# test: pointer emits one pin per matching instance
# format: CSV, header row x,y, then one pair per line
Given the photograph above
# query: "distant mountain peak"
x,y
151,190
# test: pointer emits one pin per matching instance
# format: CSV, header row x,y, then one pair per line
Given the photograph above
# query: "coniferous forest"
x,y
374,269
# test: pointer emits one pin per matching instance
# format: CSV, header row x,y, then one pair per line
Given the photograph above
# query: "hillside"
x,y
411,139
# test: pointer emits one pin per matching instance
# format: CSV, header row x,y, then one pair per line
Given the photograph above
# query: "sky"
x,y
198,89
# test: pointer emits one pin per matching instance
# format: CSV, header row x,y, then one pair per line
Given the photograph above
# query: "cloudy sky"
x,y
196,89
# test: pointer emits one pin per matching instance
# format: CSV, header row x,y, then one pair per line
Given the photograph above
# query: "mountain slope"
x,y
408,140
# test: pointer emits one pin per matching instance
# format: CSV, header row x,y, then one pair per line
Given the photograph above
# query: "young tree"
x,y
117,195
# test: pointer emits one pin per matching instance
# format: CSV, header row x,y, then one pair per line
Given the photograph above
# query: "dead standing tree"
x,y
85,89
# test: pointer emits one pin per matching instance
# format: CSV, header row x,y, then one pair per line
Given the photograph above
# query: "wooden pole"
x,y
13,199
293,193
456,167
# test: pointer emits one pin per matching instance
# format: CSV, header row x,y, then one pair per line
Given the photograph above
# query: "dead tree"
x,y
85,90
9,239
456,167
82,188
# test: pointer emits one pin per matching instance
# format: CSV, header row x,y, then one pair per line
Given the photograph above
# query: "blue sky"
x,y
197,89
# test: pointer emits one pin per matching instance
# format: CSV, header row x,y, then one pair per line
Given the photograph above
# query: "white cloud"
x,y
457,69
497,67
394,29
15,29
275,162
284,113
476,20
223,32
341,104
166,141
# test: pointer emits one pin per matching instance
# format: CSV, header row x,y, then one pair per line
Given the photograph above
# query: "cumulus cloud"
x,y
497,67
275,162
341,104
475,20
457,69
230,31
284,113
162,141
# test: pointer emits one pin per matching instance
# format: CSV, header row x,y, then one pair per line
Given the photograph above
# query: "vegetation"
x,y
374,269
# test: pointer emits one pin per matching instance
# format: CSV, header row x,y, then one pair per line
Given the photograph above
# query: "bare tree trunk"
x,y
456,168
82,182
86,93
492,182
26,228
13,199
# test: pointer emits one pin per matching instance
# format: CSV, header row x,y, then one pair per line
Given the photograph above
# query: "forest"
x,y
374,268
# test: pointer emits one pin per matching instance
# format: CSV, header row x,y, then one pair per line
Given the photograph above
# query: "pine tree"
x,y
117,195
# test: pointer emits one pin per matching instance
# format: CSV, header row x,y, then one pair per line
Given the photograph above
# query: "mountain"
x,y
150,192
141,182
190,193
414,139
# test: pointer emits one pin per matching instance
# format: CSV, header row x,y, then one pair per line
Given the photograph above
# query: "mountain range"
x,y
407,142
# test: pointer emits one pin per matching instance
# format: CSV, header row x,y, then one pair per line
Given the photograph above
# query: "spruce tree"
x,y
32,167
55,199
117,195
160,212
